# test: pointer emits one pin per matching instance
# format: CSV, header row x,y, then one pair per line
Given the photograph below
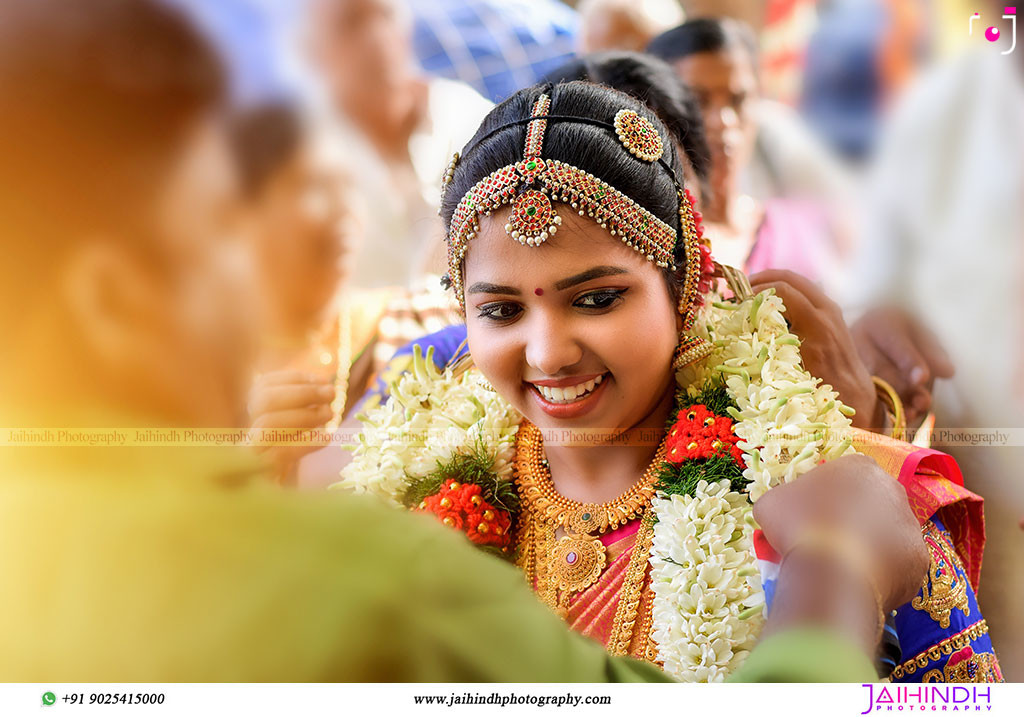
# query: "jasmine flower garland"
x,y
430,417
708,600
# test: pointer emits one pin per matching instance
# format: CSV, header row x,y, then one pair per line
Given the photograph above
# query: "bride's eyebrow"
x,y
596,273
482,287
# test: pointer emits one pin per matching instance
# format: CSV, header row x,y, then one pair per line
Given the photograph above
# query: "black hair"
x,y
263,139
96,99
594,149
705,34
653,82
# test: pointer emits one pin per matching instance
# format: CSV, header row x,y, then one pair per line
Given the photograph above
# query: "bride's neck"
x,y
600,473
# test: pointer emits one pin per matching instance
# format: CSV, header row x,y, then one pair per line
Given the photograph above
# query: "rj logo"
x,y
993,34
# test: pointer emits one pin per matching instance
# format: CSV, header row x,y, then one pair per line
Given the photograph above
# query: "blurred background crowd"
x,y
874,146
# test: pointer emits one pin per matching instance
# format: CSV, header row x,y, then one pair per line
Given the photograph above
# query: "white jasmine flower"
x,y
429,418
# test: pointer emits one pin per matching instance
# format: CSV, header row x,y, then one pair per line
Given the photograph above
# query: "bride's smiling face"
x,y
576,333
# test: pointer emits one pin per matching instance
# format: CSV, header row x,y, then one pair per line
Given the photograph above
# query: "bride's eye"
x,y
598,300
500,311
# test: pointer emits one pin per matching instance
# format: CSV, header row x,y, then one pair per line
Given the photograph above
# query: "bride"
x,y
618,416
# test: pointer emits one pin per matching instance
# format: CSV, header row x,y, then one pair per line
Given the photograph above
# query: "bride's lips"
x,y
573,409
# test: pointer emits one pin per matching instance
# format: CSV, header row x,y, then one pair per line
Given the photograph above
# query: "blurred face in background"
x,y
725,85
363,48
690,179
305,232
613,26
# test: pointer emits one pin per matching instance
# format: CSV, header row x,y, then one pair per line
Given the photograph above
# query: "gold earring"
x,y
690,350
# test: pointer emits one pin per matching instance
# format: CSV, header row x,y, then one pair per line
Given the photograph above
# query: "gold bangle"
x,y
850,553
888,396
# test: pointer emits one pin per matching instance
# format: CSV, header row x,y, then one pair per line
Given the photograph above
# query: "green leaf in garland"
x,y
473,467
713,395
682,479
717,399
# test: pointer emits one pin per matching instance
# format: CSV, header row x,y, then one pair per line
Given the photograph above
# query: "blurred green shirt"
x,y
180,564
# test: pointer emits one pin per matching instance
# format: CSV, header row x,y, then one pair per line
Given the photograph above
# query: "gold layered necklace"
x,y
561,567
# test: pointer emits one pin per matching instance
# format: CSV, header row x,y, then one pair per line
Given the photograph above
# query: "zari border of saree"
x,y
946,647
632,590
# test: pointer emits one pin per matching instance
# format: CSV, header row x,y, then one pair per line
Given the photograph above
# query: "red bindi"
x,y
539,292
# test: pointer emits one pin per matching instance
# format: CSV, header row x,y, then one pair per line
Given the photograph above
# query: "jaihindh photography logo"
x,y
930,698
993,33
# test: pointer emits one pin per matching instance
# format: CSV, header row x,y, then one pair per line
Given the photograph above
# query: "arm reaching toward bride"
x,y
885,342
852,548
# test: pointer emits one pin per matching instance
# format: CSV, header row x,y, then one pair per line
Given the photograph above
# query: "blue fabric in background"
x,y
251,36
495,46
444,347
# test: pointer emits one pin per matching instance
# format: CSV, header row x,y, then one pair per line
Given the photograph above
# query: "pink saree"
x,y
592,612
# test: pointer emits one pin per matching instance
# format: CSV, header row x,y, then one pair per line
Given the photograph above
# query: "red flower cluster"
x,y
461,506
699,433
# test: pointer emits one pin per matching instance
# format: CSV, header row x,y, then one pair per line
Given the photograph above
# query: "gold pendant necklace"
x,y
572,563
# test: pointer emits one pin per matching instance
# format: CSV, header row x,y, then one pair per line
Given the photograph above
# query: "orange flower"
x,y
462,506
699,433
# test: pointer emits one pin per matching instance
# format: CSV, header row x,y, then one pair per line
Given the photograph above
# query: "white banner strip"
x,y
792,700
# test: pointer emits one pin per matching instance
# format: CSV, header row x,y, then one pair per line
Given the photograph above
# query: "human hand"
x,y
826,345
897,348
289,403
852,496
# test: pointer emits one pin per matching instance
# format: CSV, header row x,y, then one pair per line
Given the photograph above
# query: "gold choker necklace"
x,y
563,567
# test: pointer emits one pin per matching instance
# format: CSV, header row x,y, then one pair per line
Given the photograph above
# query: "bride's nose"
x,y
551,346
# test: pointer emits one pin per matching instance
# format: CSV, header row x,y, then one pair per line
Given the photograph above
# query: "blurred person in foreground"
x,y
786,225
322,341
398,127
945,239
178,564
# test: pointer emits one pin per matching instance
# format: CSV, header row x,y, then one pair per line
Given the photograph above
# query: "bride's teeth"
x,y
569,393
